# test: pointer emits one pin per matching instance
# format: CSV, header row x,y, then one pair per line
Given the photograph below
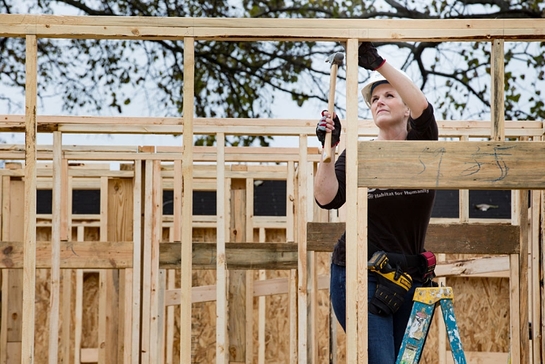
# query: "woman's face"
x,y
387,107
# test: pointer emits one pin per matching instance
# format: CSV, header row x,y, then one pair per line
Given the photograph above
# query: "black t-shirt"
x,y
397,218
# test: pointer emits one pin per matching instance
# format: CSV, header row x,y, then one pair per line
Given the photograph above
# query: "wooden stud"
x,y
175,235
249,304
67,297
221,266
237,278
187,202
137,240
6,216
312,277
157,277
29,272
147,314
261,312
362,277
514,300
355,223
535,288
497,90
302,275
54,301
312,294
292,196
126,339
119,204
541,323
523,279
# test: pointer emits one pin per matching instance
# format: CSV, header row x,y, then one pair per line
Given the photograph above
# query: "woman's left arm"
x,y
413,97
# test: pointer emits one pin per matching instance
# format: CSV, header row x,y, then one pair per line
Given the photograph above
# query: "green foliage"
x,y
240,79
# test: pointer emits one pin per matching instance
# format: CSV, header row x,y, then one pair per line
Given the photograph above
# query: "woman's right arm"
x,y
325,182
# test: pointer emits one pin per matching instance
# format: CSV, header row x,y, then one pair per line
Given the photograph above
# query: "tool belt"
x,y
393,282
424,262
392,285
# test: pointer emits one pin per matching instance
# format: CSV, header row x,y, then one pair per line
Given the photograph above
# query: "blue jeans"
x,y
385,333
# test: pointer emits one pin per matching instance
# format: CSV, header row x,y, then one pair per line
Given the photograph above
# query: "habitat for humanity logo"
x,y
385,192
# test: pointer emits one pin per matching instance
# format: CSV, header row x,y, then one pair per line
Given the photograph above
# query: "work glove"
x,y
368,57
321,130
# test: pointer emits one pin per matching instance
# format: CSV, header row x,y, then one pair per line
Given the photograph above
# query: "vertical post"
x,y
302,296
175,236
249,226
356,280
497,94
523,279
157,277
536,277
291,196
312,273
221,264
136,301
12,279
187,201
147,314
107,312
55,251
541,323
29,262
261,310
120,228
4,223
519,265
64,233
237,278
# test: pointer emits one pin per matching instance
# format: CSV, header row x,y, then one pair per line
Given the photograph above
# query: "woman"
x,y
397,222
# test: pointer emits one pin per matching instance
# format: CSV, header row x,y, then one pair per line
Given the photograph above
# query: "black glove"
x,y
321,130
368,57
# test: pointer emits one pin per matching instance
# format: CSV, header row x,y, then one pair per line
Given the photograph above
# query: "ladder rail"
x,y
426,300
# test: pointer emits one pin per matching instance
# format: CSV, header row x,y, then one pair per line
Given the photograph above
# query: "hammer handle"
x,y
330,107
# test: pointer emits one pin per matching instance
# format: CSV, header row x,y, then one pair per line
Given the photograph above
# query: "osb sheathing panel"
x,y
481,306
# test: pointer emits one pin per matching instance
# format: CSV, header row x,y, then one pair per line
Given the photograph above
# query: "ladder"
x,y
426,299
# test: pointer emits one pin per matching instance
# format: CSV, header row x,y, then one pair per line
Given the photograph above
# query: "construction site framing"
x,y
144,335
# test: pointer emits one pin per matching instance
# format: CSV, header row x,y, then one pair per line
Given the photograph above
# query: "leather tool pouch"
x,y
390,292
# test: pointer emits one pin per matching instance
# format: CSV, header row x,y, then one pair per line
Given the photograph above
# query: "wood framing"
x,y
145,264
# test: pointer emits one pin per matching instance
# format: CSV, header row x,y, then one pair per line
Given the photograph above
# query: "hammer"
x,y
336,60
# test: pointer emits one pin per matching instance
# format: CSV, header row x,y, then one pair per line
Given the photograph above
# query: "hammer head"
x,y
336,58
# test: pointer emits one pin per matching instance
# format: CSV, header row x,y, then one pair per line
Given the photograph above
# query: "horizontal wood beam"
x,y
441,238
238,255
236,126
118,255
84,255
235,29
497,267
451,165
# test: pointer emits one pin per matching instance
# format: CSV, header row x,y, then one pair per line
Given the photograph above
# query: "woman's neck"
x,y
395,134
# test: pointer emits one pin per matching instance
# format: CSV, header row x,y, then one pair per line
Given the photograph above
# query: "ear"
x,y
407,111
